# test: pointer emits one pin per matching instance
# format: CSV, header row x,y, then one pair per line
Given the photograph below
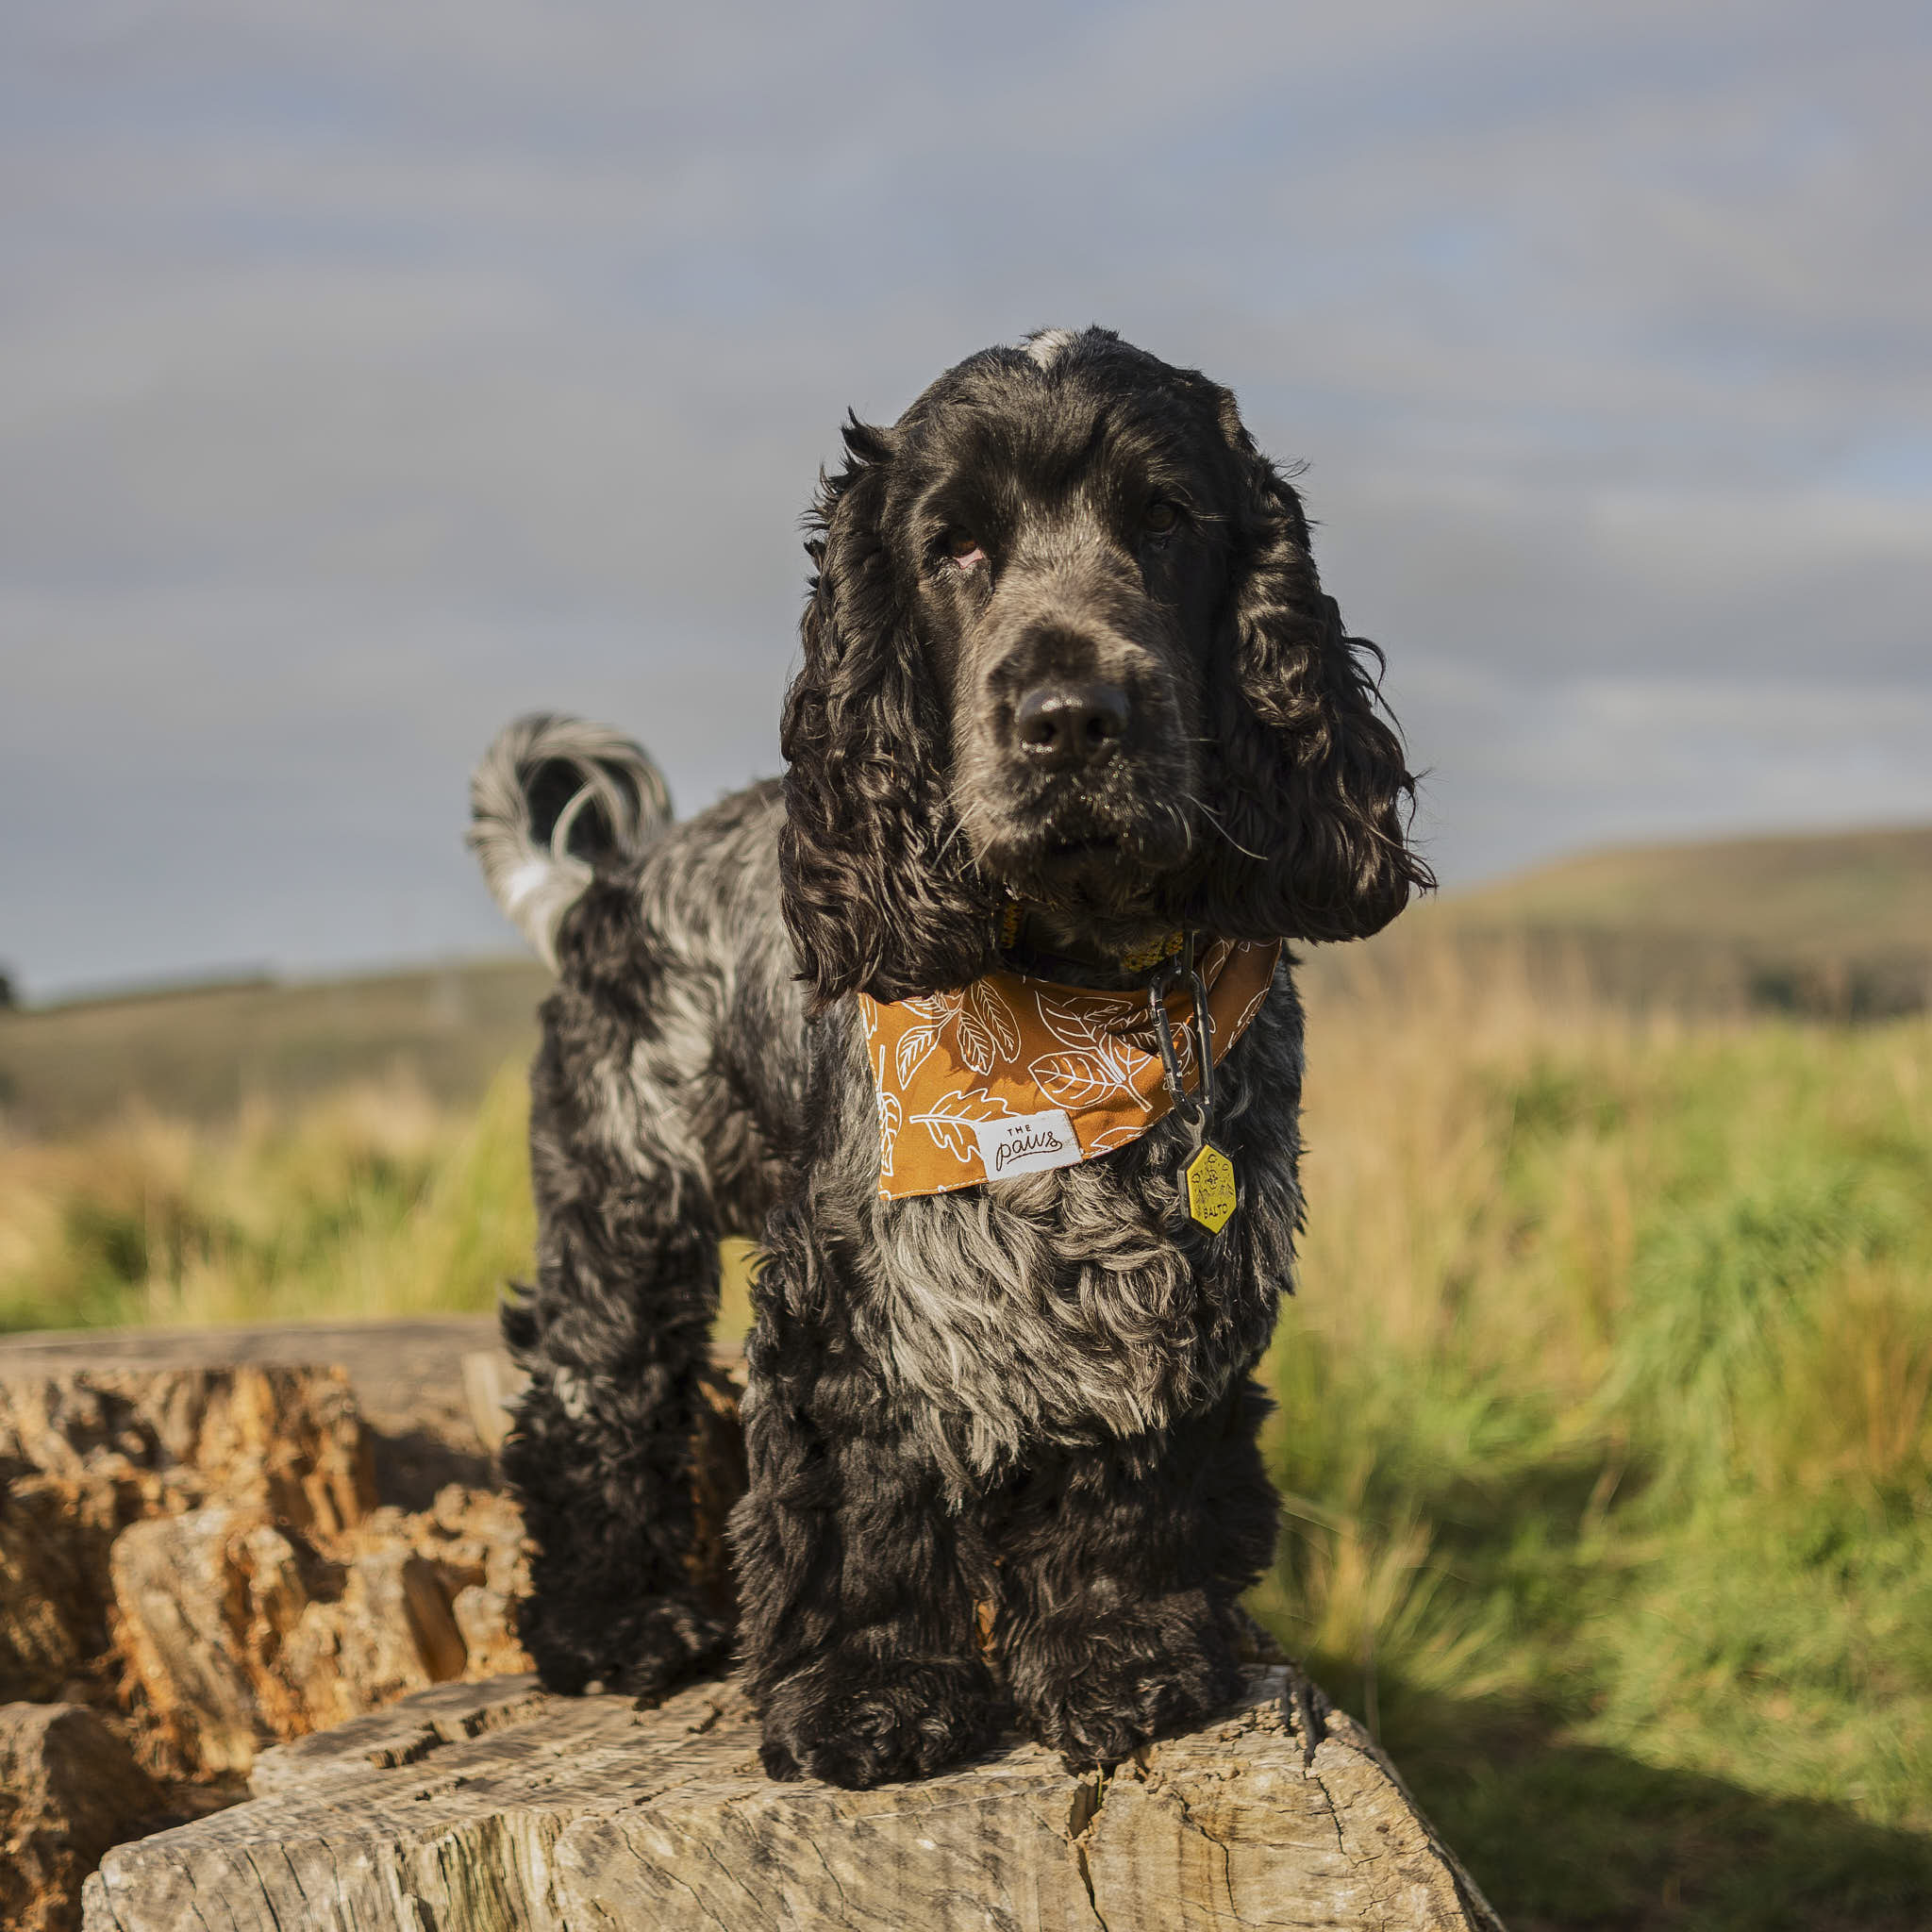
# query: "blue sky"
x,y
370,372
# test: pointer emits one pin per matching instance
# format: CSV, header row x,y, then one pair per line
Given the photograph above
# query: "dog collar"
x,y
1009,935
1014,1076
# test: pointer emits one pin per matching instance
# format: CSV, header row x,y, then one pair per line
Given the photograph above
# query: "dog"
x,y
1078,741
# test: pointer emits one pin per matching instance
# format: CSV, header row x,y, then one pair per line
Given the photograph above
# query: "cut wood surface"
x,y
479,1807
407,1374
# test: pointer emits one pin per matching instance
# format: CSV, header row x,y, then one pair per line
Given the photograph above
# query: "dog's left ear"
x,y
1315,791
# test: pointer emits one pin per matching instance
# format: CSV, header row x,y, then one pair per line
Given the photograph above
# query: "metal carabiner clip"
x,y
1196,1108
1208,1177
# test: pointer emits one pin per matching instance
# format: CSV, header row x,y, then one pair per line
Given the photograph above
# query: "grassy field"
x,y
1606,1432
1806,894
1606,1420
374,1200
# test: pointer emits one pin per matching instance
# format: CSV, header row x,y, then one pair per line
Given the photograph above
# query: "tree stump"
x,y
84,1453
488,1807
68,1788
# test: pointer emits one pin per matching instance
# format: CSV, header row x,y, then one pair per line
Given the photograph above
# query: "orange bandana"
x,y
1013,1076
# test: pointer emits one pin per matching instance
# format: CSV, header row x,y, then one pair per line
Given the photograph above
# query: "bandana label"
x,y
1012,1075
1029,1143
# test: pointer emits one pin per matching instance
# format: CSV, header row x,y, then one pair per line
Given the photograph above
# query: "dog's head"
x,y
1066,644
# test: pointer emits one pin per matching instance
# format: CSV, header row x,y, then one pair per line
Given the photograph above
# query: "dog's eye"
x,y
965,550
1158,519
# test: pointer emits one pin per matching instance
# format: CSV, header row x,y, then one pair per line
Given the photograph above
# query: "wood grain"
x,y
489,1806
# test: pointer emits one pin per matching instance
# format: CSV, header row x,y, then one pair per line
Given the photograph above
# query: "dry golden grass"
x,y
373,1200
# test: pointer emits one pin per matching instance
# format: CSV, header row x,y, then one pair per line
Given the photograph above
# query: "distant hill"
x,y
1838,925
1818,895
202,1051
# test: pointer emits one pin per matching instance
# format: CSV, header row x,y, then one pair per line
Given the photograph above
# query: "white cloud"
x,y
367,373
1548,764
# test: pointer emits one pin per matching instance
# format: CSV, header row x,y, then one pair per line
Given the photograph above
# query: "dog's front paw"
x,y
672,1639
860,1722
642,1650
1101,1710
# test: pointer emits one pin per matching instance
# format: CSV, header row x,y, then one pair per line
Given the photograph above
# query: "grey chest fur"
x,y
1077,1305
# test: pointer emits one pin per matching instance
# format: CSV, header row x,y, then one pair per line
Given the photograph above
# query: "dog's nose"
x,y
1062,726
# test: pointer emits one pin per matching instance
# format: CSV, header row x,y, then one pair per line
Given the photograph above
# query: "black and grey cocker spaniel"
x,y
1075,726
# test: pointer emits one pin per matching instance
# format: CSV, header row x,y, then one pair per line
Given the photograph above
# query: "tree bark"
x,y
493,1806
68,1788
87,1452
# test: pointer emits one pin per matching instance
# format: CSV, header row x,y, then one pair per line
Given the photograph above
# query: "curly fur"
x,y
1302,811
1036,1394
549,794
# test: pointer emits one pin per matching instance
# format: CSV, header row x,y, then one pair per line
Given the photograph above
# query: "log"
x,y
85,1451
406,1377
286,1440
405,1373
208,1545
204,1546
495,1806
68,1788
236,1629
196,1552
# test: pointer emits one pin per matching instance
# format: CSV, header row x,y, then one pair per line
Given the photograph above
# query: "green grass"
x,y
1608,1456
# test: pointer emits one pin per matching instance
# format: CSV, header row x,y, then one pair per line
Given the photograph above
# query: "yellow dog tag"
x,y
1211,1198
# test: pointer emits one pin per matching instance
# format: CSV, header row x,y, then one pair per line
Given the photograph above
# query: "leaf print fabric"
x,y
1077,1080
1010,1048
988,1030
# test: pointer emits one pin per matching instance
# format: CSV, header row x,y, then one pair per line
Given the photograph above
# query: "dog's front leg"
x,y
1122,1569
859,1633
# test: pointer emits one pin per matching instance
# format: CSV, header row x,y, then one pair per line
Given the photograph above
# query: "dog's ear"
x,y
1314,791
878,888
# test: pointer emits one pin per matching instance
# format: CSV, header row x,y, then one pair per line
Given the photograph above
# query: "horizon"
x,y
242,975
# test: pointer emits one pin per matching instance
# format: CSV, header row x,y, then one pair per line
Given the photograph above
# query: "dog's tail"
x,y
554,802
